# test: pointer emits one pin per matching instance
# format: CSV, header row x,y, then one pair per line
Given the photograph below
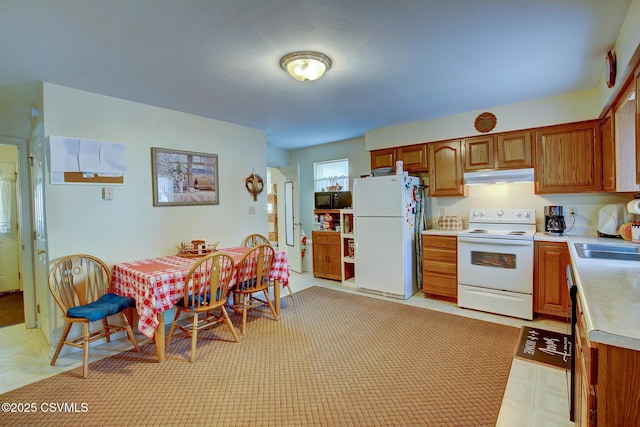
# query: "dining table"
x,y
157,284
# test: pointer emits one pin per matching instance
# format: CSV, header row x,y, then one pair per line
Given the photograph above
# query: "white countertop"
x,y
609,291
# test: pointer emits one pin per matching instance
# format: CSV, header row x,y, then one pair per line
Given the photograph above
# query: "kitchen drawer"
x,y
440,242
429,254
439,285
326,237
439,267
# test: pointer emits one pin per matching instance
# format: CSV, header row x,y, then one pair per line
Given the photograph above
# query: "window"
x,y
332,175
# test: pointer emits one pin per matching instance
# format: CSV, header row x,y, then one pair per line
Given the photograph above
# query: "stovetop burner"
x,y
501,224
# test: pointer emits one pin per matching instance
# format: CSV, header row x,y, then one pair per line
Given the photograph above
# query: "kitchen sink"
x,y
608,251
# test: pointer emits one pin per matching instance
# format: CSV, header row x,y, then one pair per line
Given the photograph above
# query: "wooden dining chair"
x,y
206,291
251,279
258,239
255,239
80,286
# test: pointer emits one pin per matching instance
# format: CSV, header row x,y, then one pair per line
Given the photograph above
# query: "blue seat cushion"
x,y
107,305
247,284
192,299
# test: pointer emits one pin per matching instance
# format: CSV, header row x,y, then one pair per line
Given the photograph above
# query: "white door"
x,y
290,211
379,196
381,255
9,238
40,232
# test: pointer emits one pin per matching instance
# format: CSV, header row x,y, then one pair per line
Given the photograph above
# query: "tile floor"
x,y
535,395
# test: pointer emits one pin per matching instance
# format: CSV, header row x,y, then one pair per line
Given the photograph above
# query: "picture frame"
x,y
182,178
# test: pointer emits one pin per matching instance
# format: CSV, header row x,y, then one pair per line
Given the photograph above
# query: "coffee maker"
x,y
554,220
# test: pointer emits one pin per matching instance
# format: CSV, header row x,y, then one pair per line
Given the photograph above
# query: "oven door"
x,y
500,264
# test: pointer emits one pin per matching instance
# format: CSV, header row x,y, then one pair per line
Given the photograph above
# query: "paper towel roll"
x,y
634,206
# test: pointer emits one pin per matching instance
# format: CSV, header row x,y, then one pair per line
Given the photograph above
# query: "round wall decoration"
x,y
610,73
254,185
485,122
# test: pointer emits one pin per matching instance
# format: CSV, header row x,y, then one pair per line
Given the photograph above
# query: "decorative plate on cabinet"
x,y
610,73
485,122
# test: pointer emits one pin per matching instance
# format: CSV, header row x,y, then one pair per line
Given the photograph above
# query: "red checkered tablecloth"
x,y
157,284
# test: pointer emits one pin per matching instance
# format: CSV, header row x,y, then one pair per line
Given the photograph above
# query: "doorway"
x,y
11,298
17,291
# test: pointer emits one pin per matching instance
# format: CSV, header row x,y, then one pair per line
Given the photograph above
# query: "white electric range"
x,y
495,262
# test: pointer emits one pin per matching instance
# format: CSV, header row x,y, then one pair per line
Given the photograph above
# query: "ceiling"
x,y
394,62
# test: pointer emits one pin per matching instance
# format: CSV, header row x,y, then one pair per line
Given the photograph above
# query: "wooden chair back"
x,y
255,239
207,282
253,269
78,280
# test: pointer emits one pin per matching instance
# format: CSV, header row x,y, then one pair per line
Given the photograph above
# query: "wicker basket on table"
x,y
196,249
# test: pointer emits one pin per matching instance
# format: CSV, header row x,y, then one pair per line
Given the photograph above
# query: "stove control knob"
x,y
527,214
519,214
500,212
483,213
476,214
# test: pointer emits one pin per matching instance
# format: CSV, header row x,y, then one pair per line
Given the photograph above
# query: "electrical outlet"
x,y
571,210
443,211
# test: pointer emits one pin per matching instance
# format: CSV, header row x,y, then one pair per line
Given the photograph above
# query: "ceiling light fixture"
x,y
305,66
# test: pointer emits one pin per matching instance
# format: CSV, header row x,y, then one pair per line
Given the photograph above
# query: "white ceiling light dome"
x,y
305,66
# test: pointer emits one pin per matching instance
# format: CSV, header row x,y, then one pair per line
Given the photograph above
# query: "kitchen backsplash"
x,y
521,195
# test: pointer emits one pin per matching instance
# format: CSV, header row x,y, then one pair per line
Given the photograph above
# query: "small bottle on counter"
x,y
635,232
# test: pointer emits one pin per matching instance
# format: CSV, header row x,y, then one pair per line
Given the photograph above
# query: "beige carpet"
x,y
333,359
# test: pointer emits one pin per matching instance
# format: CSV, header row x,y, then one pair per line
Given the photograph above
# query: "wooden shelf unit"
x,y
347,247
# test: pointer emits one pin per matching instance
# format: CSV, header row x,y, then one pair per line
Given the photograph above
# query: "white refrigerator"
x,y
384,217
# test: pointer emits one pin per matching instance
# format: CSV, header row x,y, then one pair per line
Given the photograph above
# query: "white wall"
x,y
129,227
522,195
352,149
567,108
627,51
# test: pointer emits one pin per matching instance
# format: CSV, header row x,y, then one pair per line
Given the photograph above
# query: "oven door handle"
x,y
500,242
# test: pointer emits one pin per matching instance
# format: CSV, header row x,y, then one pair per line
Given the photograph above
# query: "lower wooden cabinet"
x,y
440,266
327,262
607,381
550,279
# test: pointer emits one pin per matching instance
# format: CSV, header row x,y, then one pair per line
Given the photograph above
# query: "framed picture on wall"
x,y
184,178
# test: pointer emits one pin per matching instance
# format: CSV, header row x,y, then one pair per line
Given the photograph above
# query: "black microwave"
x,y
333,199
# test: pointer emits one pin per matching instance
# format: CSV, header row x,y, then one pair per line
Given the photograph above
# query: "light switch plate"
x,y
107,193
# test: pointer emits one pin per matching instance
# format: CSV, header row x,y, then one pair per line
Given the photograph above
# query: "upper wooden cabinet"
x,y
637,83
568,158
445,161
607,136
618,134
510,150
385,158
414,157
513,150
478,153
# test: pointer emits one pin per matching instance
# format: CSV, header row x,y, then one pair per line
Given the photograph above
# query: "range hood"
x,y
506,176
